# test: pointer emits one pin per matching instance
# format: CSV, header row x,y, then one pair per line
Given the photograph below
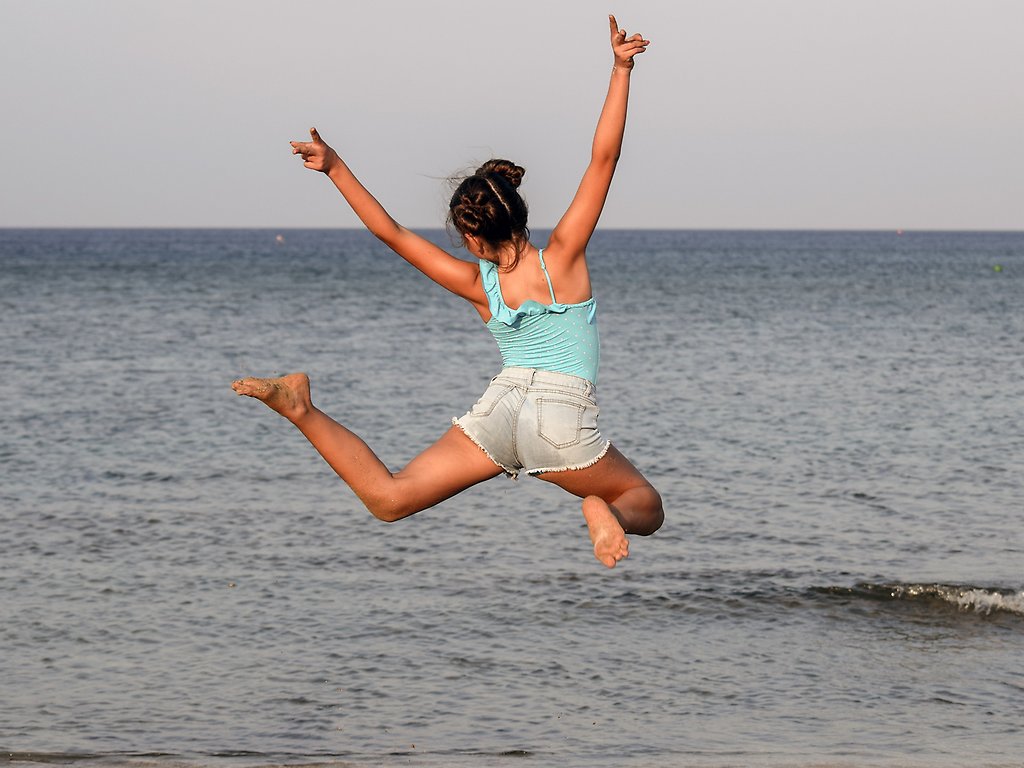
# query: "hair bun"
x,y
508,170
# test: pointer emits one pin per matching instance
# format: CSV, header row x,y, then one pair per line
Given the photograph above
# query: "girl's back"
x,y
570,279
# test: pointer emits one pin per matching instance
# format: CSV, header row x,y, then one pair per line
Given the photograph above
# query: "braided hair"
x,y
487,205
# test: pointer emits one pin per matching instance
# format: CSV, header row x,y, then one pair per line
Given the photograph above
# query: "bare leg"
x,y
617,499
449,466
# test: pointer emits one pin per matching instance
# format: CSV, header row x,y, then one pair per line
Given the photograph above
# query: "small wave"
x,y
113,758
983,600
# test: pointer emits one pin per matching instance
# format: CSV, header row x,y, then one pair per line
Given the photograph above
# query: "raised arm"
x,y
573,232
460,277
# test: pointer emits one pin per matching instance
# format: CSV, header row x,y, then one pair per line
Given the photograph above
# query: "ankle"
x,y
300,414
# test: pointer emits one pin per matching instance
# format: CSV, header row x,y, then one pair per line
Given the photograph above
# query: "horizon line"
x,y
144,227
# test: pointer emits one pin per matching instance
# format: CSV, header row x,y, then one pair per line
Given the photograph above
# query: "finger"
x,y
617,34
315,135
635,45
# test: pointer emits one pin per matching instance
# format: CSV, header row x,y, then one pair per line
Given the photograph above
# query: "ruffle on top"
x,y
505,315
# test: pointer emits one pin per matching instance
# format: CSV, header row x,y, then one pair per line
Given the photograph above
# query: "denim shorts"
x,y
536,421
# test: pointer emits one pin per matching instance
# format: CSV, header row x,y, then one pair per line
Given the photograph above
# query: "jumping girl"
x,y
539,415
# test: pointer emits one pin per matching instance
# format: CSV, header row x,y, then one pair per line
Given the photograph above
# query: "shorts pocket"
x,y
560,422
490,399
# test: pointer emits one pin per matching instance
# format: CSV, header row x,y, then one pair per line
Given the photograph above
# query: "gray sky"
x,y
744,113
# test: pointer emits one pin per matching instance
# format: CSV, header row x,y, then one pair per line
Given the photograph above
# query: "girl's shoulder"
x,y
558,251
569,274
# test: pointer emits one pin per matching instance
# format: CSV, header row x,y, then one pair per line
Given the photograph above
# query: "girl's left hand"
x,y
625,48
316,154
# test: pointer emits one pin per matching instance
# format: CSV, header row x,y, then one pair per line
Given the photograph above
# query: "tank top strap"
x,y
544,269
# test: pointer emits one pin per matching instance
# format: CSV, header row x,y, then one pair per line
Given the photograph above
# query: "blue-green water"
x,y
834,420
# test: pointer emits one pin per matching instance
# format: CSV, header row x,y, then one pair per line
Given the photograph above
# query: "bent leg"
x,y
617,499
446,468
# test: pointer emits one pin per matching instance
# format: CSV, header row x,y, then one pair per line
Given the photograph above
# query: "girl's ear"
x,y
473,245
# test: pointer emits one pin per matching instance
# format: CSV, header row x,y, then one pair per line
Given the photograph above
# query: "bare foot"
x,y
610,542
288,395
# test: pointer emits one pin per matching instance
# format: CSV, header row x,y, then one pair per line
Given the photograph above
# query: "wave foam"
x,y
966,598
983,601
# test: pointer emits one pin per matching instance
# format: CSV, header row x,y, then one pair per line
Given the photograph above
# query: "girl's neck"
x,y
509,254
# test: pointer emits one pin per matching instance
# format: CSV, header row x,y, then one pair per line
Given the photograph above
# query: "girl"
x,y
539,414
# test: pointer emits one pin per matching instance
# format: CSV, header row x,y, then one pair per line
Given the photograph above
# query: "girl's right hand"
x,y
316,154
625,48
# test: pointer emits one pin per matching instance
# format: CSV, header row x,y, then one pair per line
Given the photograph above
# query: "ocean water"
x,y
834,421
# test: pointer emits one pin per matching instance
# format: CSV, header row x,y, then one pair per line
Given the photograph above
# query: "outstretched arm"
x,y
460,277
577,225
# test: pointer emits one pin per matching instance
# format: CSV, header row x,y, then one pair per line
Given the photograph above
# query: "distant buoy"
x,y
997,268
279,239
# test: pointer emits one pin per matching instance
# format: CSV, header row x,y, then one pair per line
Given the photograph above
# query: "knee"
x,y
389,509
386,515
651,509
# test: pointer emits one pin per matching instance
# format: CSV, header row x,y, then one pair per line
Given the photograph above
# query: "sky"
x,y
750,114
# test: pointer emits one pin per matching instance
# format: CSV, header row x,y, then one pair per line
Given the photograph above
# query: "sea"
x,y
835,421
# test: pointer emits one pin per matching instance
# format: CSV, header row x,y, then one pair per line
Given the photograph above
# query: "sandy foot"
x,y
610,542
288,395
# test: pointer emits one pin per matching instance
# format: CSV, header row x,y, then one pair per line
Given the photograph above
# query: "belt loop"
x,y
533,372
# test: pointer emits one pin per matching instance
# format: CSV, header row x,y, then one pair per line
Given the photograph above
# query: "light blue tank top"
x,y
551,337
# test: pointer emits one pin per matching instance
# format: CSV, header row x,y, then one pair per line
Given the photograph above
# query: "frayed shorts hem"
x,y
514,473
572,467
511,472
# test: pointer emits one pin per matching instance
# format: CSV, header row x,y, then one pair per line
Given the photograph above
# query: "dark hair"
x,y
487,205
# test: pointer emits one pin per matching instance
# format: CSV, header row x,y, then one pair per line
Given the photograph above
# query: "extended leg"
x,y
617,499
449,466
